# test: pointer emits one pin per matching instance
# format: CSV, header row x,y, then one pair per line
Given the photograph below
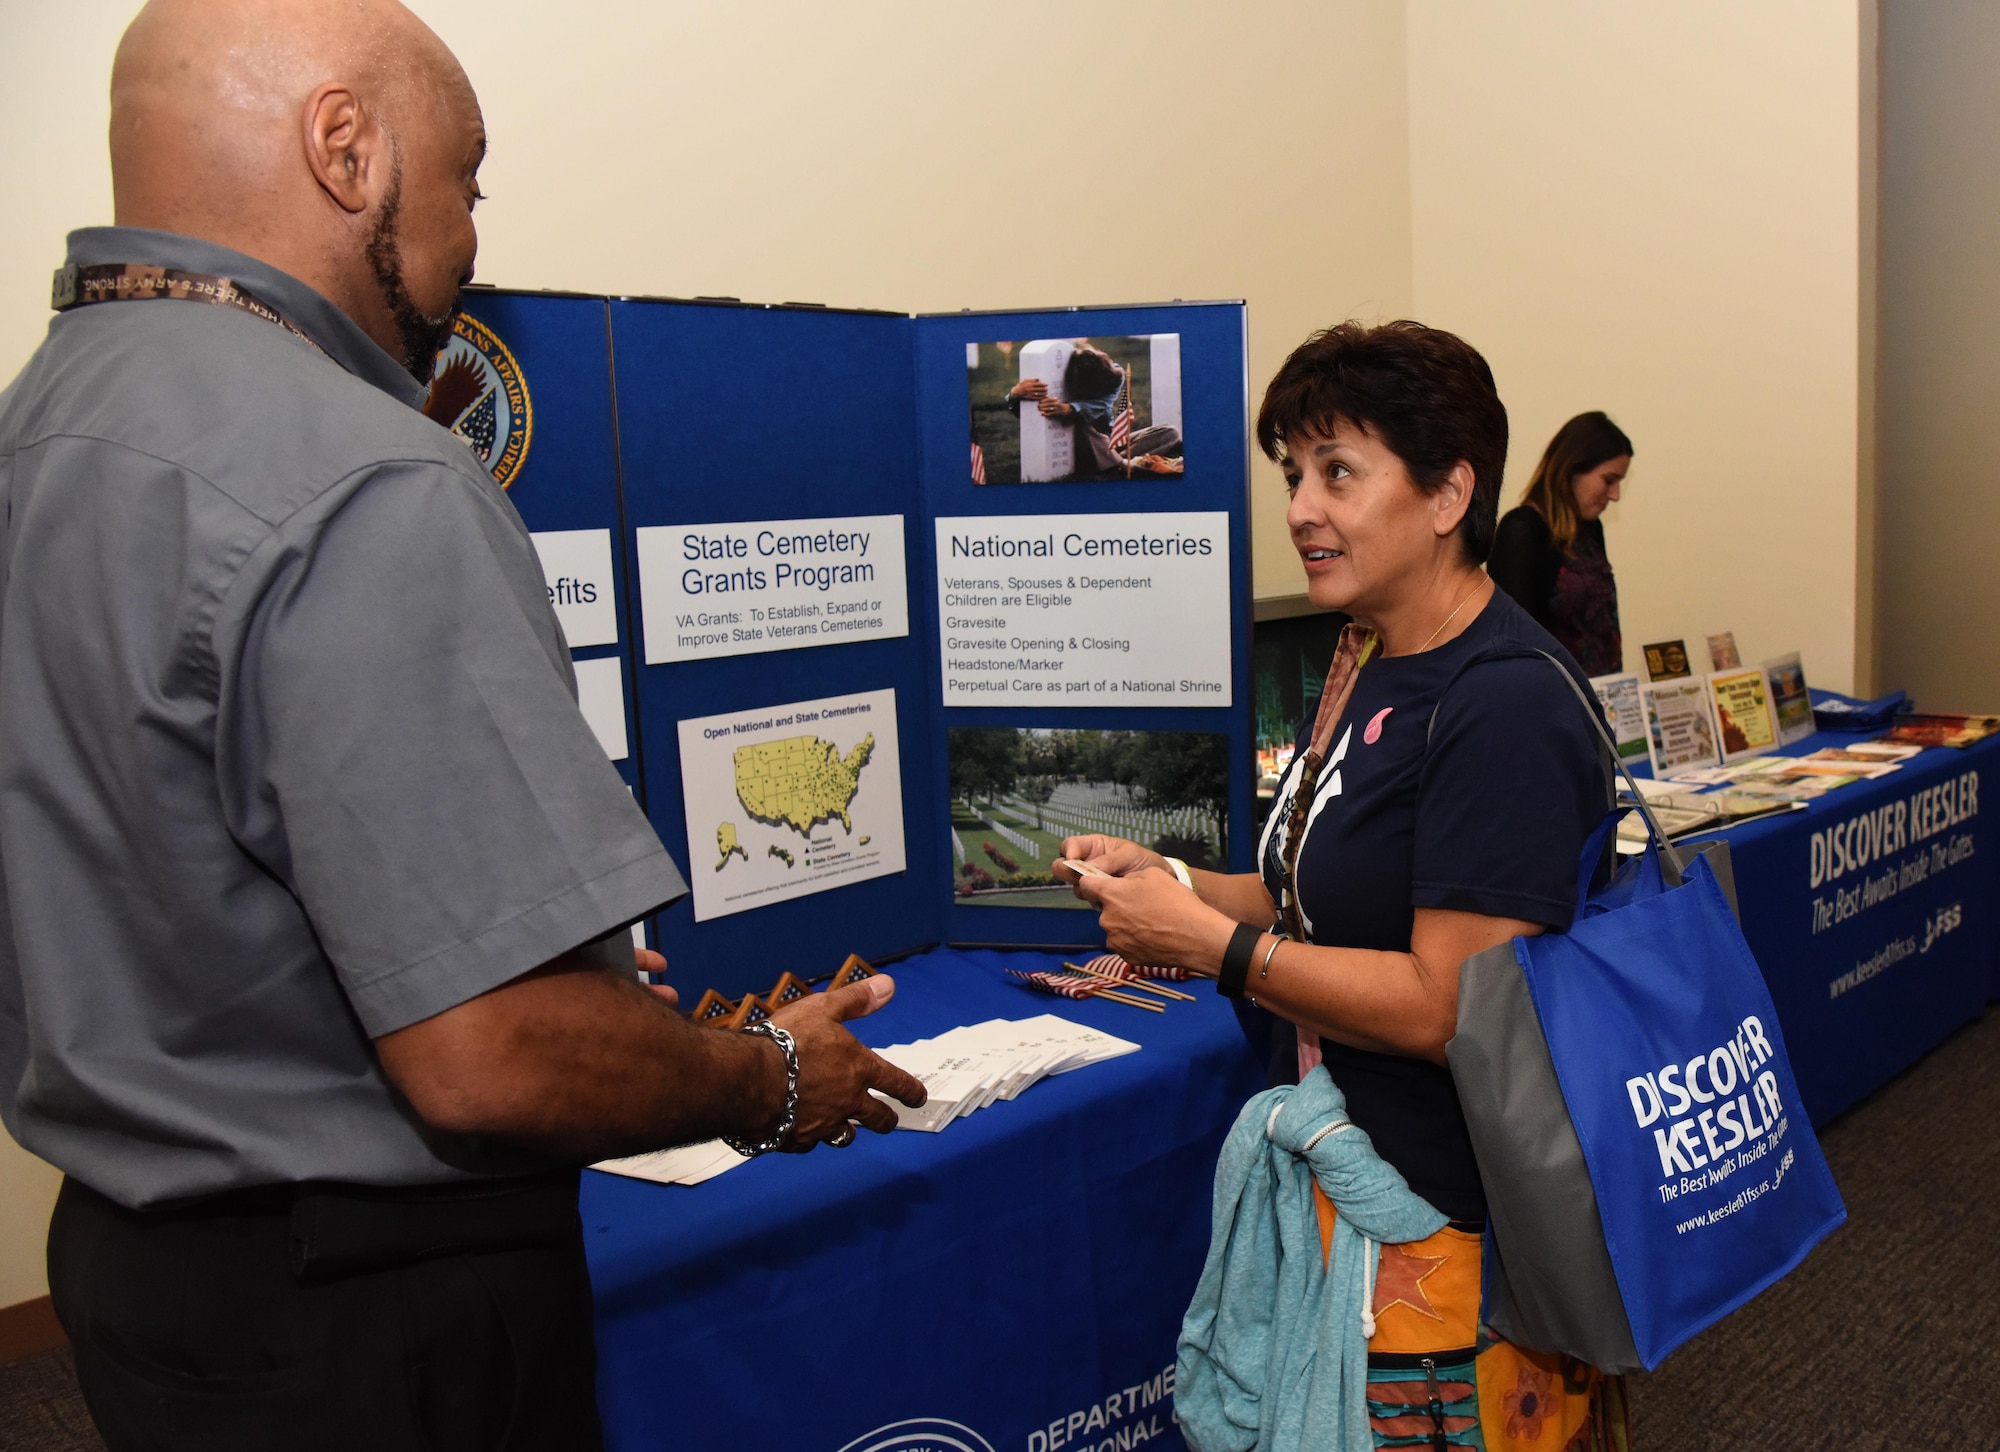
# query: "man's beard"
x,y
423,336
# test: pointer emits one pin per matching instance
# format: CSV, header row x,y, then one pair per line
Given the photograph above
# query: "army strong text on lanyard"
x,y
76,287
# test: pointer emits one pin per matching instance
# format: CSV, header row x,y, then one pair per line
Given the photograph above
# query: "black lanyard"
x,y
108,282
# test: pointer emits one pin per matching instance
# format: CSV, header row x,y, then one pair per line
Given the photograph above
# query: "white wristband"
x,y
1180,870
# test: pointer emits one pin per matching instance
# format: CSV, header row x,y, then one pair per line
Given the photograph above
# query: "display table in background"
x,y
1015,1281
1866,981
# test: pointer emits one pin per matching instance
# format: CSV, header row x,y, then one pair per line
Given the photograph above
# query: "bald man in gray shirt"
x,y
313,879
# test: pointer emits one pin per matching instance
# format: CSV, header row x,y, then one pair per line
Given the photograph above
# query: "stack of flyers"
x,y
1885,748
1736,771
1800,778
1875,758
1833,761
1683,814
968,1068
689,1164
1803,778
1919,730
1792,789
964,1069
1674,821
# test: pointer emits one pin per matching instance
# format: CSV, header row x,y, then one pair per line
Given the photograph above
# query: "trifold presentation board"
x,y
871,611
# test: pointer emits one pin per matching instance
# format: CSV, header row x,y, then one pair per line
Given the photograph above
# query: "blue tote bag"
x,y
1647,1163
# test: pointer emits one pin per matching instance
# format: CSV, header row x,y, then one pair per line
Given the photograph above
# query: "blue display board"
x,y
542,419
1213,418
671,426
733,413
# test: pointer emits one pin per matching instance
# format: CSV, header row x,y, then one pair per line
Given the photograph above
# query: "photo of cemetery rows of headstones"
x,y
1017,792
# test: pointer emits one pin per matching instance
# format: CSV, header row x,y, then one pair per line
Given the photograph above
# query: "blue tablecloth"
x,y
1016,1281
1872,917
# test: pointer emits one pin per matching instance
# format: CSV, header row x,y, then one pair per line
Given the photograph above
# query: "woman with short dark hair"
x,y
1548,552
1437,806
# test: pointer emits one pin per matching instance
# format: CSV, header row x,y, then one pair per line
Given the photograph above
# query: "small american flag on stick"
x,y
1121,420
1157,990
1117,967
1059,984
1065,986
978,463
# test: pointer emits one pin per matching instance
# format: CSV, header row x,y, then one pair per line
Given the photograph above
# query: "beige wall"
x,y
1654,209
1940,290
55,68
892,154
27,1194
928,157
1651,208
900,155
54,61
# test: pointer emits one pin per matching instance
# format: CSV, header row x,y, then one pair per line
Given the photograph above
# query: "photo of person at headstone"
x,y
1073,410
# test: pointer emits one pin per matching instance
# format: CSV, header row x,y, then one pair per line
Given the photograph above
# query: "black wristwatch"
x,y
1236,960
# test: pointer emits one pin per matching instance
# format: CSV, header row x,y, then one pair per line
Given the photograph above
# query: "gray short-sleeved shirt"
x,y
289,749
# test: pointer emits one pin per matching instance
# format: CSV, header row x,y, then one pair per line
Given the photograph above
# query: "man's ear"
x,y
346,149
1452,499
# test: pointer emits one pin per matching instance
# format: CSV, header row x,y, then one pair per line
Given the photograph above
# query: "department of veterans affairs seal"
x,y
921,1434
477,392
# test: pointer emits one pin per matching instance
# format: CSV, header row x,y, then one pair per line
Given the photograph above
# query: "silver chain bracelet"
x,y
783,1040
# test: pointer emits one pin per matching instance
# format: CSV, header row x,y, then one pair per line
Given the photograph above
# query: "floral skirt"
x,y
1437,1378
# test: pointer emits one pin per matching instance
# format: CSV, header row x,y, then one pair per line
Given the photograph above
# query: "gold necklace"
x,y
1447,620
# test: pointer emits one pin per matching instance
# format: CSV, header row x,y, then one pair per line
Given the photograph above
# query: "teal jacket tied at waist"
x,y
1274,1348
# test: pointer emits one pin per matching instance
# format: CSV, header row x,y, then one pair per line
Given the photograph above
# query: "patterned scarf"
x,y
1357,644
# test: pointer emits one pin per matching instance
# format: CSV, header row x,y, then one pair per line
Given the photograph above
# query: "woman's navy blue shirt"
x,y
1487,812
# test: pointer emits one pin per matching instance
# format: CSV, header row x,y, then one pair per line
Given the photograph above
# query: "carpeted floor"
x,y
40,1409
1888,1337
1884,1339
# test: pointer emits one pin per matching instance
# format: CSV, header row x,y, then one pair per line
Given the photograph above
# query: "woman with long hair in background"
x,y
1548,552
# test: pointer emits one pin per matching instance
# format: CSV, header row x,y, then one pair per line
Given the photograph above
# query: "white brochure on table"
x,y
1084,609
784,801
708,590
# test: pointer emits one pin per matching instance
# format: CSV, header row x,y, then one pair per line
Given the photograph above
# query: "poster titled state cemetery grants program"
x,y
712,590
789,800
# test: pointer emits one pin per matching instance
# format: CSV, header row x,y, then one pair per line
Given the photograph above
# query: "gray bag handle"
x,y
1669,856
1671,860
1674,861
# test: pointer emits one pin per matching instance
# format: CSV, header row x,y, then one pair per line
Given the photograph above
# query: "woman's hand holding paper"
x,y
1113,856
1148,917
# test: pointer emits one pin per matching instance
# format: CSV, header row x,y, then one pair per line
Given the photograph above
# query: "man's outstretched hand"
x,y
586,1064
836,1070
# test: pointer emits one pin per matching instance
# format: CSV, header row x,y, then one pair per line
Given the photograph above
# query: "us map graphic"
x,y
792,811
800,782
